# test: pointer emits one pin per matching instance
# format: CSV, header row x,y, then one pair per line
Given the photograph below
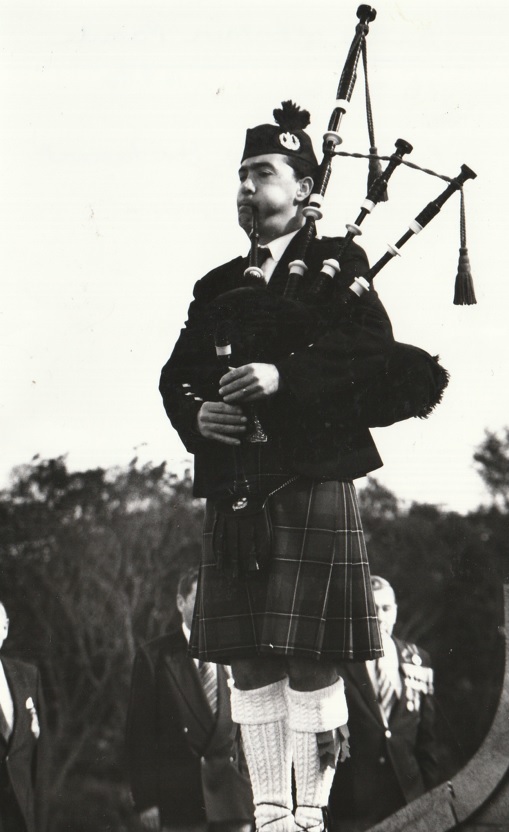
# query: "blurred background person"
x,y
392,728
185,764
23,744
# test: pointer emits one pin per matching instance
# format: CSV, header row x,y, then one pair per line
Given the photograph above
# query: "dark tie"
x,y
263,254
385,689
208,675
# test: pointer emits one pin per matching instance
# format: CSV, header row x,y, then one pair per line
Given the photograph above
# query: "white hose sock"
x,y
311,713
263,717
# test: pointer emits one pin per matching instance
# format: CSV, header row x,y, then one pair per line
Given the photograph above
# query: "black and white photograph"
x,y
254,479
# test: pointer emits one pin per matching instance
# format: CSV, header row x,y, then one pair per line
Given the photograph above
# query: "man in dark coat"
x,y
186,769
285,604
23,744
392,728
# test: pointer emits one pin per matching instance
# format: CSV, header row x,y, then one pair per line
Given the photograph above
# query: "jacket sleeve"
x,y
190,375
141,734
349,353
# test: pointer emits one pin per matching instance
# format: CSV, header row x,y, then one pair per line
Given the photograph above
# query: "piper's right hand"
x,y
223,422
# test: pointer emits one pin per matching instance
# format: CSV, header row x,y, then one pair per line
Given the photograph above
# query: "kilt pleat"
x,y
313,600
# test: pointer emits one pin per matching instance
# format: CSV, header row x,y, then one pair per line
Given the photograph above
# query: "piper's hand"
x,y
222,422
249,383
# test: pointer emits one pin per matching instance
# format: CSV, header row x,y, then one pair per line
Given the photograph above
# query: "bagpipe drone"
x,y
250,323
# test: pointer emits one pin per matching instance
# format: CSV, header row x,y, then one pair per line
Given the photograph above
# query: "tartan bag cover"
x,y
314,598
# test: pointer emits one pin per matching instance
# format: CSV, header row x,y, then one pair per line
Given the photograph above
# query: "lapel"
x,y
186,679
401,703
357,674
19,691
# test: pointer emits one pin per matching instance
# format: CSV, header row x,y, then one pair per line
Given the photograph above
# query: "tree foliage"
x,y
89,563
492,459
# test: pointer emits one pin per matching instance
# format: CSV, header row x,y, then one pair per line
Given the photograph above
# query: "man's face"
x,y
186,606
268,184
386,609
4,624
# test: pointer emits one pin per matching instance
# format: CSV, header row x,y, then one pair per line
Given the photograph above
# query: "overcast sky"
x,y
122,128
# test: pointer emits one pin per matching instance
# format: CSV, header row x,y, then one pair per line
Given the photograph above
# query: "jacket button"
x,y
388,734
381,760
185,729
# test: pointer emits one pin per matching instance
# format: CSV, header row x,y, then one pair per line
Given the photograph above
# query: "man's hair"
x,y
301,168
377,582
186,582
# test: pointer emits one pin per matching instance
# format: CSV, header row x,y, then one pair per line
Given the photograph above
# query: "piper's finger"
x,y
223,408
225,419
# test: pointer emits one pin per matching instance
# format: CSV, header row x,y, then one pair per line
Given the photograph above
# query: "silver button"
x,y
185,729
388,734
381,760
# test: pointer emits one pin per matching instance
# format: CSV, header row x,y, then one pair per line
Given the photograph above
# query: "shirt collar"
x,y
280,244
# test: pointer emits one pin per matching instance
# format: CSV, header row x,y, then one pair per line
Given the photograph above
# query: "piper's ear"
x,y
305,186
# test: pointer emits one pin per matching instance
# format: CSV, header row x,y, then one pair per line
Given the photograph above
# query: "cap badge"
x,y
289,141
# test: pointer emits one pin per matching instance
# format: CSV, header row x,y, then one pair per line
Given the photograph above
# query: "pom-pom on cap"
x,y
286,137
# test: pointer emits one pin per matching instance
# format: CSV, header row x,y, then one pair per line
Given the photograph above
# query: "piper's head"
x,y
385,604
276,174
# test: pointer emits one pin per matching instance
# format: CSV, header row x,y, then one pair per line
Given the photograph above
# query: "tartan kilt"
x,y
313,600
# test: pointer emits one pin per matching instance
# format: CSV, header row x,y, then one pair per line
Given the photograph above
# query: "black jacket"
x,y
24,758
314,414
389,765
180,757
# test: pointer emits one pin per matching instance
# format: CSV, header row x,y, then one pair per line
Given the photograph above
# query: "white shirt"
x,y
277,248
6,698
390,663
187,633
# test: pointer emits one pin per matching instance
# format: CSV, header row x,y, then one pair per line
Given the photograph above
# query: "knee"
x,y
249,674
307,674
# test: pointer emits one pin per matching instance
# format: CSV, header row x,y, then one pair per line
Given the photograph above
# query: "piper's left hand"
x,y
249,383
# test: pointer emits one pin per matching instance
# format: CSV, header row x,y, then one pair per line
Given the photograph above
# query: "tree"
x,y
91,561
492,457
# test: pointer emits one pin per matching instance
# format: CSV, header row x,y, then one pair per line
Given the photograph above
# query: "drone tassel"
x,y
464,294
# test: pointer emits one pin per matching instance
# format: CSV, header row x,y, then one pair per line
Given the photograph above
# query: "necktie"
x,y
263,254
385,690
208,675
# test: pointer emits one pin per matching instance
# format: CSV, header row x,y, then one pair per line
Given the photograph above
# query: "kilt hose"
x,y
314,598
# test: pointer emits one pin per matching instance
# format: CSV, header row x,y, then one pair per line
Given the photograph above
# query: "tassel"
x,y
464,294
374,176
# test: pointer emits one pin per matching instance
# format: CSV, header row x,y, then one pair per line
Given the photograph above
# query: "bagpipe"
x,y
250,323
